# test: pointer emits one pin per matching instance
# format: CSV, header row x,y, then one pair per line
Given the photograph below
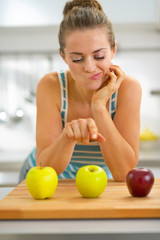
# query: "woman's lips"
x,y
95,76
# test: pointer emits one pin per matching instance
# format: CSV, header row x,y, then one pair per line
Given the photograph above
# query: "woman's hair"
x,y
84,14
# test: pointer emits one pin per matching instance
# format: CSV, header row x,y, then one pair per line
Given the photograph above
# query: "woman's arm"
x,y
54,148
121,148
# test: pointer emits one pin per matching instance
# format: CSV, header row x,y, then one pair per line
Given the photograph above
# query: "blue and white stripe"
x,y
64,96
113,104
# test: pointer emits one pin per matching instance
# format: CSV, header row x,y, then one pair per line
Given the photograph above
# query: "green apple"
x,y
41,182
91,181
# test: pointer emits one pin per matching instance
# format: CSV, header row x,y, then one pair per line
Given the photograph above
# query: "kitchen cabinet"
x,y
112,229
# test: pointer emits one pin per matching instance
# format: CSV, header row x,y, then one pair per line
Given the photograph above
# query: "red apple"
x,y
140,181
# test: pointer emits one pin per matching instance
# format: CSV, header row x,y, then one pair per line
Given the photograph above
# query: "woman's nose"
x,y
89,66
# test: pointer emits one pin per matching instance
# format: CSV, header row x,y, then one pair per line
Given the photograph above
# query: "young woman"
x,y
89,114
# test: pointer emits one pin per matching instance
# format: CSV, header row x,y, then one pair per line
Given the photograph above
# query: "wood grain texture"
x,y
67,203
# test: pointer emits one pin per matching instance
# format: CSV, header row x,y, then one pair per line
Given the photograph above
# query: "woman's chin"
x,y
95,86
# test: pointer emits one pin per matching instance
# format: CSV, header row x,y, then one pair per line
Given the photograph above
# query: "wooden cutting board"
x,y
67,203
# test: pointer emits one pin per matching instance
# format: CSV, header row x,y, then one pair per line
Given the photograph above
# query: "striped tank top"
x,y
82,154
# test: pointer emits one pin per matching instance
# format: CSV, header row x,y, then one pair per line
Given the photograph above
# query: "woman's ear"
x,y
61,53
114,50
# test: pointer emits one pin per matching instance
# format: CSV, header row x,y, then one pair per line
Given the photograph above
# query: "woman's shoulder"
x,y
130,81
49,79
130,85
48,86
48,82
129,90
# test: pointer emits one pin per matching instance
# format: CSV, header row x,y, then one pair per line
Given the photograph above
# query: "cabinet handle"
x,y
155,92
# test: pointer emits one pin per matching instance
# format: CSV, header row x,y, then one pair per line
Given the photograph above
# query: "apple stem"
x,y
40,164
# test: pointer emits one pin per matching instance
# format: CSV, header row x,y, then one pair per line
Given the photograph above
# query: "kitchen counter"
x,y
81,229
77,229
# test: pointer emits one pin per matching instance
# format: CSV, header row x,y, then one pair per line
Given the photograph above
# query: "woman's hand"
x,y
83,131
112,83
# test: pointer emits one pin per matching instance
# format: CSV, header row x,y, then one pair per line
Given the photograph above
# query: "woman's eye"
x,y
77,60
98,57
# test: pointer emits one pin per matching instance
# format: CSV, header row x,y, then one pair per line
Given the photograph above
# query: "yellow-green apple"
x,y
41,182
140,181
91,181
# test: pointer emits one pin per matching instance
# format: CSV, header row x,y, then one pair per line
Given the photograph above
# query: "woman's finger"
x,y
100,138
69,131
92,129
117,71
84,131
76,130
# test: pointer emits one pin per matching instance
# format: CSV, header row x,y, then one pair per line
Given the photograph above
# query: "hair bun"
x,y
81,3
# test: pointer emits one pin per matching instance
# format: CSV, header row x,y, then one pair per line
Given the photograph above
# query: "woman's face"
x,y
88,55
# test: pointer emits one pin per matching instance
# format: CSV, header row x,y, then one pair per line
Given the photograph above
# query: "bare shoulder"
x,y
49,81
130,88
131,83
48,87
